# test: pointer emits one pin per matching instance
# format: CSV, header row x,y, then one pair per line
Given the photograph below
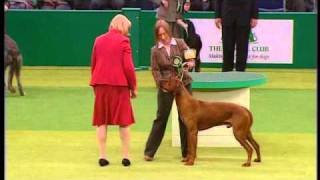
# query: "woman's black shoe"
x,y
126,162
103,162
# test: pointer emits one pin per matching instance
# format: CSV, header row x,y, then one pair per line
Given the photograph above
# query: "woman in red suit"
x,y
114,81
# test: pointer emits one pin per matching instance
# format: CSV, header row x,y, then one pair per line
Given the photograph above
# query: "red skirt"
x,y
112,106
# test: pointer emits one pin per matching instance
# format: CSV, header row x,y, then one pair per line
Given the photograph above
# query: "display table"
x,y
221,86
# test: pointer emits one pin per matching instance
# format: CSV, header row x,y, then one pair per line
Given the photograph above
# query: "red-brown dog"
x,y
199,115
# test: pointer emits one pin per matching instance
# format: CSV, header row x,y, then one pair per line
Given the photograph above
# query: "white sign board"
x,y
270,42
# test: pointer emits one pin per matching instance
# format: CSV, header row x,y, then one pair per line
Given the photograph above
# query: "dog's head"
x,y
170,84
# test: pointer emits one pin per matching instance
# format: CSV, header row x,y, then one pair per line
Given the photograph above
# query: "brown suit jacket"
x,y
161,62
169,14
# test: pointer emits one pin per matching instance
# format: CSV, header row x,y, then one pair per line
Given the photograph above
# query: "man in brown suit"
x,y
172,12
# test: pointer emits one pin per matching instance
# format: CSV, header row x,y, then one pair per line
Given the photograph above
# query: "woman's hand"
x,y
191,64
133,93
188,65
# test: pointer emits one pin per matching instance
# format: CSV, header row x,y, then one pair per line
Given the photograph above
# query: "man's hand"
x,y
165,3
253,22
218,22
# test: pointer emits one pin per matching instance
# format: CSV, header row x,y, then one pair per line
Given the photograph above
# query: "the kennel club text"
x,y
216,53
271,41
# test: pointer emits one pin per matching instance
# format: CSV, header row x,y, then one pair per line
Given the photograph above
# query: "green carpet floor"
x,y
49,133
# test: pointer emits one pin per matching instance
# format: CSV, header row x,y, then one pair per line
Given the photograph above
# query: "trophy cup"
x,y
189,54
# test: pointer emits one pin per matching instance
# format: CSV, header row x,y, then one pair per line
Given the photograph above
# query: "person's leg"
x,y
159,124
228,43
125,140
102,137
99,122
242,43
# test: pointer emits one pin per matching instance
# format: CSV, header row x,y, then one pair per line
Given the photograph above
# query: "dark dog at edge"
x,y
13,60
199,115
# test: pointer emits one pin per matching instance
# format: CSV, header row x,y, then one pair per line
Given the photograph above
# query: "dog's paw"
x,y
246,164
184,159
257,160
189,163
12,89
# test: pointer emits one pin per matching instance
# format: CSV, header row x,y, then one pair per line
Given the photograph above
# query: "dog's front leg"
x,y
186,159
192,147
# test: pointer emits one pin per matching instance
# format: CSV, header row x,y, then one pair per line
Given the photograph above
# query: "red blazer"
x,y
112,62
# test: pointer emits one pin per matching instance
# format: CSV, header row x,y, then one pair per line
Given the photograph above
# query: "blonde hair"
x,y
161,24
121,23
